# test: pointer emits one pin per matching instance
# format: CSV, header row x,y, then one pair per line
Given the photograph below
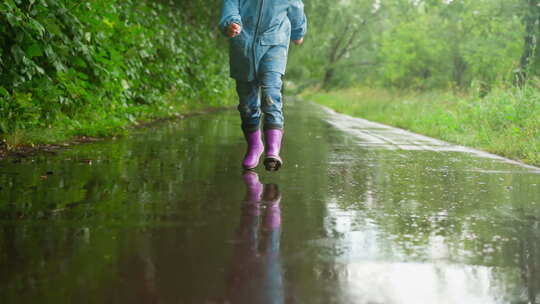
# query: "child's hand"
x,y
299,41
233,30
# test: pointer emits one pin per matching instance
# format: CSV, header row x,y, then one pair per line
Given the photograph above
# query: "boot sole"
x,y
249,169
272,163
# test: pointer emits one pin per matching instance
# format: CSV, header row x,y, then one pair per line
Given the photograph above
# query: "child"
x,y
259,32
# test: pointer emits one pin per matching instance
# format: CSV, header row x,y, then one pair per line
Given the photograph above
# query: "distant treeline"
x,y
75,64
465,71
420,44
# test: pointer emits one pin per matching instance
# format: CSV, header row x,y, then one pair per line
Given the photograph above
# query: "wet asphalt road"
x,y
360,213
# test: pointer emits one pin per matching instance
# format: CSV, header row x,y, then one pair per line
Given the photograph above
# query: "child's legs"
x,y
272,106
249,105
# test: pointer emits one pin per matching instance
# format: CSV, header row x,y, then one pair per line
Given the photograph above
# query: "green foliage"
x,y
99,65
425,44
411,53
422,56
338,45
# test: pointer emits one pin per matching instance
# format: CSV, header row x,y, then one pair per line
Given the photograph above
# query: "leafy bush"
x,y
71,63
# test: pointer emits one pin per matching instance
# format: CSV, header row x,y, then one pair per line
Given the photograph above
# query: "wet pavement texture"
x,y
360,213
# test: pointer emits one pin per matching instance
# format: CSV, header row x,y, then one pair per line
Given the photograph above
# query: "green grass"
x,y
109,123
505,122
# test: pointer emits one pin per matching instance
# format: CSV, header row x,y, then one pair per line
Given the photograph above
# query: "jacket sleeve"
x,y
298,19
230,13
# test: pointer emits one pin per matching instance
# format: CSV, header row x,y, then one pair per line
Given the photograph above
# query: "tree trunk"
x,y
328,77
530,58
460,66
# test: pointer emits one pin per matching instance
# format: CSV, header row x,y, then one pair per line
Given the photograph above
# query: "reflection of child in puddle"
x,y
256,271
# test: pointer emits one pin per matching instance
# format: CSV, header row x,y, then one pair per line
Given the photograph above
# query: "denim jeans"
x,y
262,95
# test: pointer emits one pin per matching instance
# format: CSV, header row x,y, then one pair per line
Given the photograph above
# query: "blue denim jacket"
x,y
267,28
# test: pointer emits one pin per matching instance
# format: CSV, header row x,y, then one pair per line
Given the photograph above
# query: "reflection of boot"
x,y
254,150
273,137
254,190
272,198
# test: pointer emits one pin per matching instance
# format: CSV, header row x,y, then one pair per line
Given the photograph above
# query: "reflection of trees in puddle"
x,y
256,272
435,211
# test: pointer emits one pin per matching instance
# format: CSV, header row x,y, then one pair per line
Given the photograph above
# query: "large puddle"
x,y
360,213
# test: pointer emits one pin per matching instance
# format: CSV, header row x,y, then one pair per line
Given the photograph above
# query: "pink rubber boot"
x,y
254,150
272,160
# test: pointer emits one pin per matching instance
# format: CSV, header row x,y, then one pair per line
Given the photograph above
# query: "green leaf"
x,y
34,50
78,61
4,92
37,26
39,69
53,28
